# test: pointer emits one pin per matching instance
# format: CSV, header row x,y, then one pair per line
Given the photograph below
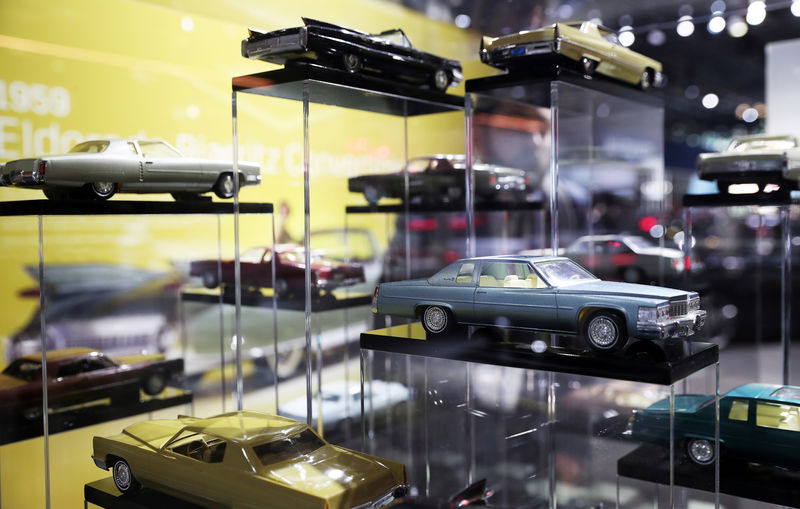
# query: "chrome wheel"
x,y
103,190
603,332
352,63
372,194
701,451
441,79
225,186
588,66
123,477
154,384
434,319
647,79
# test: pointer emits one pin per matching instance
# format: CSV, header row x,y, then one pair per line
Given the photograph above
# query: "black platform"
x,y
257,299
120,207
103,493
16,429
656,362
737,200
347,90
651,463
533,87
417,208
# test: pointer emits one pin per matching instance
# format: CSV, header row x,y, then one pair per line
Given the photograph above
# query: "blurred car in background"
x,y
100,168
441,179
590,47
758,159
388,54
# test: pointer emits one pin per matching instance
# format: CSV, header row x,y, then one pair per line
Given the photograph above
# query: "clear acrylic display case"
x,y
145,302
546,426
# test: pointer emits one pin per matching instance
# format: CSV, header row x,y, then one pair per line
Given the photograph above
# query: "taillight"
x,y
42,168
375,293
492,179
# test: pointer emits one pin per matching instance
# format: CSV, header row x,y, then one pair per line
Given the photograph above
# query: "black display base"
x,y
414,208
533,86
104,493
657,362
775,486
257,299
777,198
16,428
347,90
120,207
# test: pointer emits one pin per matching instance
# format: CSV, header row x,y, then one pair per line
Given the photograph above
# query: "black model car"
x,y
388,54
441,178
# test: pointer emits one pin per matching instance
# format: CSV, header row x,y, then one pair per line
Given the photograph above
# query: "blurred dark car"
x,y
256,271
81,375
388,54
475,495
441,178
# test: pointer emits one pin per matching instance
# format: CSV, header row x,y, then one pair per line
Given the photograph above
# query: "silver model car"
x,y
542,293
100,168
756,159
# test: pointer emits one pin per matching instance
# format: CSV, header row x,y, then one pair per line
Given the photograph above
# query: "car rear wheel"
x,y
154,383
605,332
352,62
701,451
210,280
123,477
588,65
436,319
372,194
647,79
225,186
102,190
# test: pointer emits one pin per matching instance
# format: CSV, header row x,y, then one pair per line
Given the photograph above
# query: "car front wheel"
x,y
102,190
701,451
154,383
123,477
441,80
225,186
648,77
436,319
605,332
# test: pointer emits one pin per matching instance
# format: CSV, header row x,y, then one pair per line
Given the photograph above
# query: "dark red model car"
x,y
256,271
80,375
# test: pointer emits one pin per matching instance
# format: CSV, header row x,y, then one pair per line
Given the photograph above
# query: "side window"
x,y
132,149
465,273
738,410
508,275
70,369
205,448
774,415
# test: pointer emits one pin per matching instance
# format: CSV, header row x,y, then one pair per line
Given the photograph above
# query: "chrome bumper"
x,y
678,327
22,177
385,499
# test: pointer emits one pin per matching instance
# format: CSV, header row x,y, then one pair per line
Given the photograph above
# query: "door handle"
x,y
481,291
148,162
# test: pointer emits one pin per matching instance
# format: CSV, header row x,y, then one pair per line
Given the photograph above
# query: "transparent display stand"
x,y
123,308
545,425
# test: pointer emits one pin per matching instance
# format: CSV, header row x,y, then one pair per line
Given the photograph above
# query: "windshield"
x,y
89,147
24,369
638,242
288,448
564,272
395,36
762,144
157,149
255,255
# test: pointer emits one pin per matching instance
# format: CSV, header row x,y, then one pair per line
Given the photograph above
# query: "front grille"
x,y
678,308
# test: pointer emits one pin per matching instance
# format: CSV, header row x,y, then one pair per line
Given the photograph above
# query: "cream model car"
x,y
594,48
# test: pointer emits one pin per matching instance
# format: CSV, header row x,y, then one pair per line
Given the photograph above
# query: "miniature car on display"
x,y
756,159
100,168
758,423
81,375
256,271
247,460
441,178
342,400
388,54
549,294
583,44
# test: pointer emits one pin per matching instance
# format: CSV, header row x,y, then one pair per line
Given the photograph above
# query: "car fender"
x,y
425,303
704,436
585,310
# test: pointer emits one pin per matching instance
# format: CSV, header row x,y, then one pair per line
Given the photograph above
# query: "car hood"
x,y
684,403
621,289
137,358
666,252
9,382
740,156
335,474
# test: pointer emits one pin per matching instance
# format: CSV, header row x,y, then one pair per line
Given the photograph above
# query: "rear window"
x,y
24,369
287,448
90,147
787,393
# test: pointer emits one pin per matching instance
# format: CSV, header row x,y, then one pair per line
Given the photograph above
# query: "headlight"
x,y
694,302
647,314
663,312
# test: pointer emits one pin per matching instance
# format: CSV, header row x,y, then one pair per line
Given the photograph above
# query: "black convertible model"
x,y
388,54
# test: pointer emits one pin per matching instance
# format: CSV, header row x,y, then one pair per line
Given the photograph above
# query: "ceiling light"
x,y
685,10
565,11
718,6
656,37
710,101
187,24
737,27
756,12
795,8
626,36
716,24
692,92
685,26
750,115
625,19
463,21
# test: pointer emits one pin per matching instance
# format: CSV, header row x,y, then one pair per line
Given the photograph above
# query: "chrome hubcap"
x,y
351,62
435,318
104,187
122,475
701,451
603,331
441,79
227,184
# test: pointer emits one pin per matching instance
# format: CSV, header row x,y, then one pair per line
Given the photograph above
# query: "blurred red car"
x,y
256,271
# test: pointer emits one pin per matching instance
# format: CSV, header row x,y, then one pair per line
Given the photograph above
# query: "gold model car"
x,y
244,460
590,47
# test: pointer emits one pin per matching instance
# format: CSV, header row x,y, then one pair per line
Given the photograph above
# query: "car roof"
x,y
56,355
245,426
515,258
754,137
766,391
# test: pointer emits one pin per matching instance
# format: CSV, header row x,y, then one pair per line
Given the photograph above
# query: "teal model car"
x,y
758,423
550,294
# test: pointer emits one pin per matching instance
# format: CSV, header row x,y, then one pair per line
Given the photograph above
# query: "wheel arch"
x,y
420,306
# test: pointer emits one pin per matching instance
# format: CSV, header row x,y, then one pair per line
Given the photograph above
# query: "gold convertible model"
x,y
592,47
244,460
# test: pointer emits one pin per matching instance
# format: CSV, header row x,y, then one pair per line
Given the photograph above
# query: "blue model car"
x,y
758,423
550,294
